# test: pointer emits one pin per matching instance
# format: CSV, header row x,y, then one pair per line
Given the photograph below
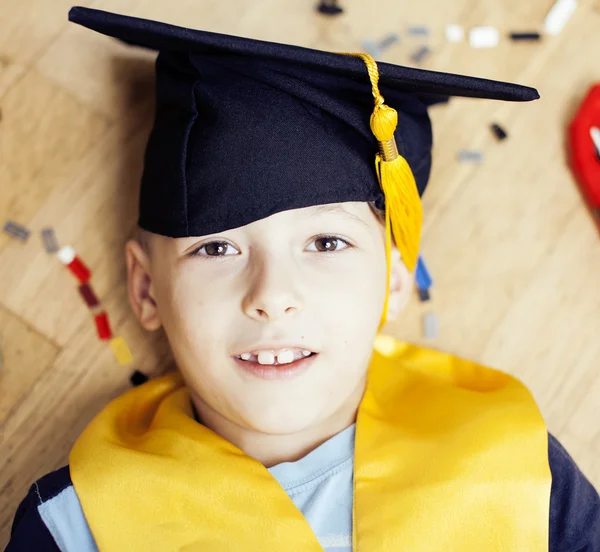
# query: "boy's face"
x,y
311,277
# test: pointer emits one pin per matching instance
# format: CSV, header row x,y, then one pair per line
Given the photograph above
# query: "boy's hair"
x,y
379,213
144,238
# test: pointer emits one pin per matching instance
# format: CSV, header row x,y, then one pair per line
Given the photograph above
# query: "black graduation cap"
x,y
247,128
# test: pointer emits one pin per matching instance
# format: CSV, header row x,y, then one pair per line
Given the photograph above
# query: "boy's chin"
x,y
282,424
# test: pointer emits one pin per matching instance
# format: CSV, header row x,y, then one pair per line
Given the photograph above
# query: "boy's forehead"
x,y
343,208
349,210
353,211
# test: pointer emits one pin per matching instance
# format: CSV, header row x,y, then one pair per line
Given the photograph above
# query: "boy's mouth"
x,y
275,358
276,370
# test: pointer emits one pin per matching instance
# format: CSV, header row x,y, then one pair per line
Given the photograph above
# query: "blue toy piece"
x,y
422,276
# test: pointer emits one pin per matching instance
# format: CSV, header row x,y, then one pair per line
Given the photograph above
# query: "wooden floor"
x,y
513,252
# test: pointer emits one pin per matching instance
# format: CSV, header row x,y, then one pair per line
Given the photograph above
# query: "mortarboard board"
x,y
247,128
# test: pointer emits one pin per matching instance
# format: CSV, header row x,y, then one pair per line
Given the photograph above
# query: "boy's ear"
x,y
401,285
140,291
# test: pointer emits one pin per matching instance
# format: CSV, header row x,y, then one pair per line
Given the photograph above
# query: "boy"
x,y
292,423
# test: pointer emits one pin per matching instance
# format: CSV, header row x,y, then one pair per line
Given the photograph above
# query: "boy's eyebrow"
x,y
336,209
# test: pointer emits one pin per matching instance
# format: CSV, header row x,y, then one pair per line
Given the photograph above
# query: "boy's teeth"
x,y
283,357
267,357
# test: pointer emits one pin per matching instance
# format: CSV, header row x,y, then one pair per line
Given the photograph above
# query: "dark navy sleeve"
x,y
574,505
29,532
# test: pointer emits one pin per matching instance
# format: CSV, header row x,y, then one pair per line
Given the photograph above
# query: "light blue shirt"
x,y
321,486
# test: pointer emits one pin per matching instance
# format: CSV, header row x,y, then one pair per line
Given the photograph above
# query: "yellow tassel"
x,y
402,202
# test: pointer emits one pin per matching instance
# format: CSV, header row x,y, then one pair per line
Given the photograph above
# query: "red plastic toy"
x,y
102,325
81,272
583,154
88,295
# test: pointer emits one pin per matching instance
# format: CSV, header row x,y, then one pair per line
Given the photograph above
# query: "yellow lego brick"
x,y
121,350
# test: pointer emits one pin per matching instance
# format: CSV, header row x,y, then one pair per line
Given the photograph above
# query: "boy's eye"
x,y
327,244
213,249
